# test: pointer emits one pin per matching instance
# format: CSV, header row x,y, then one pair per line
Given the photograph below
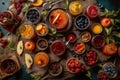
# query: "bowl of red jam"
x,y
57,48
71,36
92,11
98,41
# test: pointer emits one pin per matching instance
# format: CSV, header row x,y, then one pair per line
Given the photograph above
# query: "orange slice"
x,y
38,3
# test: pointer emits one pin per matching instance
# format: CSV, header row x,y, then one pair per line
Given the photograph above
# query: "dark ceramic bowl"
x,y
8,66
98,41
42,44
55,69
110,70
33,15
82,22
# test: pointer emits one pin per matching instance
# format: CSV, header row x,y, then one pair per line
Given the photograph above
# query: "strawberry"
x,y
77,70
72,65
76,62
68,65
72,69
71,61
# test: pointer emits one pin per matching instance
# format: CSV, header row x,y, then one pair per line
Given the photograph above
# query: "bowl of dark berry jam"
x,y
82,22
33,15
8,66
98,41
42,44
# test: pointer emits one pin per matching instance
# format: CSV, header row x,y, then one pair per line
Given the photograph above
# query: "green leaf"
x,y
26,7
45,12
53,30
17,33
112,21
107,31
107,40
100,64
13,49
11,44
106,11
66,4
117,35
117,20
89,75
50,1
103,14
35,77
59,35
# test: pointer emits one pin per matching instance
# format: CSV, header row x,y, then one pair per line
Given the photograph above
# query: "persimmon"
x,y
29,45
110,49
106,22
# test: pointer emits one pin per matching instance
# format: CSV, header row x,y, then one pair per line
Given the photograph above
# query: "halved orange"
x,y
38,3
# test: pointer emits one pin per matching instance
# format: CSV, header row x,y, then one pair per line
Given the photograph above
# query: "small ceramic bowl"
x,y
98,41
82,22
73,65
42,29
79,48
42,44
58,48
85,36
33,15
55,69
8,66
71,36
97,28
90,57
110,70
41,59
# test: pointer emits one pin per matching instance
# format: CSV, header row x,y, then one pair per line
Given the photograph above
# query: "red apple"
x,y
106,22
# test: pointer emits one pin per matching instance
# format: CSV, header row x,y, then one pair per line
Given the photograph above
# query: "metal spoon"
x,y
48,6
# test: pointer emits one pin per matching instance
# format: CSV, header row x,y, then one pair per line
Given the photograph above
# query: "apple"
x,y
106,22
29,45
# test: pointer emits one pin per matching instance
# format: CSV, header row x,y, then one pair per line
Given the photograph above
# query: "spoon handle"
x,y
56,2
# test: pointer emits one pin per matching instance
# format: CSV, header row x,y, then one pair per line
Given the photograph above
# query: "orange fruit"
x,y
38,3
